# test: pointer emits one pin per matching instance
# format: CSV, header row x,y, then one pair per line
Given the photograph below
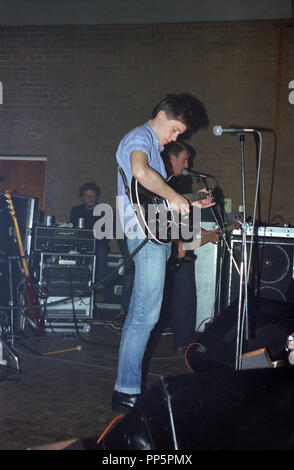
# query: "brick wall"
x,y
71,93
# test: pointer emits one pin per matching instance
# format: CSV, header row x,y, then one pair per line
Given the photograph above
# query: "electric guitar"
x,y
210,236
34,314
176,262
157,219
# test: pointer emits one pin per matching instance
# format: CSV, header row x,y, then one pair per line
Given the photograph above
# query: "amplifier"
x,y
63,240
65,275
73,309
271,267
281,232
206,275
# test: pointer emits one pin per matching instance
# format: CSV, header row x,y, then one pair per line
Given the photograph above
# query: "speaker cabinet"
x,y
245,410
271,268
206,273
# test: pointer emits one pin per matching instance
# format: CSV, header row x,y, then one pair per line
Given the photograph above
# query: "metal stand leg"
x,y
243,299
11,301
3,344
3,361
242,304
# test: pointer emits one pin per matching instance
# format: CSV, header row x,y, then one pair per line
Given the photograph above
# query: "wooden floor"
x,y
61,393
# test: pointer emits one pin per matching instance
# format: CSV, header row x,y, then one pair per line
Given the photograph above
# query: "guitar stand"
x,y
3,361
3,344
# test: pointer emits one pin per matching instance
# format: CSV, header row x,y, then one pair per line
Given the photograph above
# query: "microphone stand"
x,y
243,299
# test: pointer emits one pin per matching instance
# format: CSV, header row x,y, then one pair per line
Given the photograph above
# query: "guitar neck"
x,y
17,232
207,238
192,197
20,247
211,236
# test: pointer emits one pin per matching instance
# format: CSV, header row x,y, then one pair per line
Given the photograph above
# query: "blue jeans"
x,y
143,313
128,277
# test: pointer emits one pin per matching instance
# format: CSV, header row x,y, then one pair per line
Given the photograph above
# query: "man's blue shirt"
x,y
141,138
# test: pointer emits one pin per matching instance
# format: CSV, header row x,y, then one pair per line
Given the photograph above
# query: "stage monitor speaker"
x,y
258,359
271,273
269,324
245,410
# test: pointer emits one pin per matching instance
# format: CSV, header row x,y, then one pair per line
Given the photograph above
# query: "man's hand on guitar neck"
x,y
206,202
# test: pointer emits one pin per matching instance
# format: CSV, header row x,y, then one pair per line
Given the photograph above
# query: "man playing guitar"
x,y
139,156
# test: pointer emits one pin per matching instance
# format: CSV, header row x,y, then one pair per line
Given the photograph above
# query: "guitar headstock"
x,y
237,223
203,194
9,202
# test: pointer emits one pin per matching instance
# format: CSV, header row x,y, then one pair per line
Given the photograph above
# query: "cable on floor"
x,y
109,427
186,358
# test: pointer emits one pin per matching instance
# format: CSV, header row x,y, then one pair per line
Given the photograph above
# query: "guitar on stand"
x,y
33,315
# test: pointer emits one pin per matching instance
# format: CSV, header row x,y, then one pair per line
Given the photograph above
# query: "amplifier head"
x,y
64,240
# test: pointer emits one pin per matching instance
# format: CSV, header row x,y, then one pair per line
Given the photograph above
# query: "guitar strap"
x,y
127,189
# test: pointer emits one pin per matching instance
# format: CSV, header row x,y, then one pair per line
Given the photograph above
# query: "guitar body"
x,y
151,212
31,301
158,221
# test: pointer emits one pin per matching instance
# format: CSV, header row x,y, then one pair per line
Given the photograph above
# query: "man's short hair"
x,y
176,107
175,148
89,187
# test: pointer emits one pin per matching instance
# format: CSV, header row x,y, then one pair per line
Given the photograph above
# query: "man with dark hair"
x,y
139,156
174,106
89,194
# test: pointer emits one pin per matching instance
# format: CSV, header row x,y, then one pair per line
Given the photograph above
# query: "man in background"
x,y
180,287
89,194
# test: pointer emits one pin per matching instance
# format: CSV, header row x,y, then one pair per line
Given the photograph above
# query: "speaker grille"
x,y
273,263
271,269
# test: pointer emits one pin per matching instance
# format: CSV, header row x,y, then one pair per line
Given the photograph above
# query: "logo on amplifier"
x,y
63,233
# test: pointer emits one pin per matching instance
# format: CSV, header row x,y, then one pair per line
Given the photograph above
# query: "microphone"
x,y
218,130
196,174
